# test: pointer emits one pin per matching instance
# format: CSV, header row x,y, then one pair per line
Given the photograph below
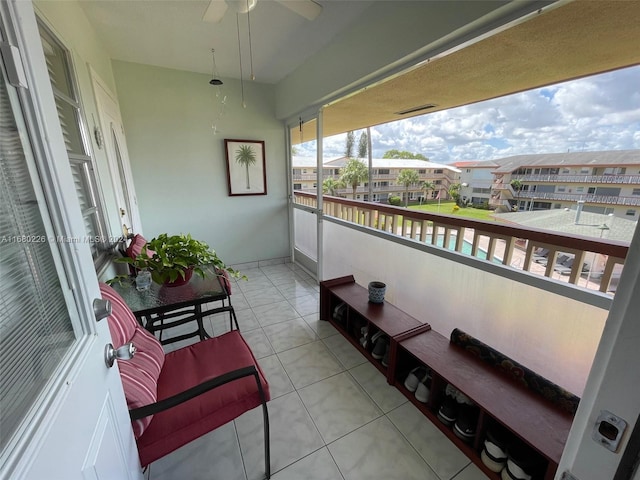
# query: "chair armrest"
x,y
192,392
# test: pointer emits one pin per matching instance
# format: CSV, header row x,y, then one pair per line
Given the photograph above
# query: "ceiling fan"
x,y
308,9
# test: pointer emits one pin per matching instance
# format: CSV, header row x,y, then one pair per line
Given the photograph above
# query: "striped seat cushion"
x,y
136,247
140,374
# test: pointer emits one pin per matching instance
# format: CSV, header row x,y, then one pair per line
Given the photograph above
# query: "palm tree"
x,y
517,186
427,186
330,186
454,192
246,156
354,173
408,177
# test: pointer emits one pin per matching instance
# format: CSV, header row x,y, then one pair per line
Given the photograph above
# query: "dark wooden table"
x,y
161,307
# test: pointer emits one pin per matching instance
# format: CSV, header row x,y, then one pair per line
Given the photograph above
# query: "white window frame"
x,y
92,183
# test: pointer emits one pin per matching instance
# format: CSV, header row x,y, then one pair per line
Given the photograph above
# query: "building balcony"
x,y
591,179
587,198
361,190
312,176
486,281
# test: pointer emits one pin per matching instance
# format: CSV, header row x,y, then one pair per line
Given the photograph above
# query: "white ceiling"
x,y
172,34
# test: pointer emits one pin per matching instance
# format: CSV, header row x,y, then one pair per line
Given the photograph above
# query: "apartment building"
x,y
476,179
385,172
601,182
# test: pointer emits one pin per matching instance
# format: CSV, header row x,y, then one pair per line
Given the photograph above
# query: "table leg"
x,y
201,330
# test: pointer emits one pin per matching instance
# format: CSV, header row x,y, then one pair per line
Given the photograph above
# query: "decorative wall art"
x,y
246,167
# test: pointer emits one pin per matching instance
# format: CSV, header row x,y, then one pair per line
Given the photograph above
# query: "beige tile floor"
x,y
332,414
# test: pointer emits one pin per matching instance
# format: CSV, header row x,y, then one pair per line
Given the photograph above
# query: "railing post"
x,y
509,245
605,281
460,239
423,230
404,227
491,248
576,268
435,232
414,228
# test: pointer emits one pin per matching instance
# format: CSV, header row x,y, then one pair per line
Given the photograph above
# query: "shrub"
x,y
395,200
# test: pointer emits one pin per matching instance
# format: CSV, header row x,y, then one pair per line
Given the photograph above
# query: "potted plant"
x,y
173,259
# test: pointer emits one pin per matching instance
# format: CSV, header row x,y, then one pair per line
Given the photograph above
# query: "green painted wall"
x,y
178,161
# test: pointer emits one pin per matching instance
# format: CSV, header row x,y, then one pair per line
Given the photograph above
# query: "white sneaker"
x,y
423,389
413,379
514,471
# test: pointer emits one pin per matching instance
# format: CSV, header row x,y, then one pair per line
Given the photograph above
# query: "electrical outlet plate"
x,y
608,430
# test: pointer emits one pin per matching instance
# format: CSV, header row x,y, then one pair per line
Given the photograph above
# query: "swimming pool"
x,y
467,248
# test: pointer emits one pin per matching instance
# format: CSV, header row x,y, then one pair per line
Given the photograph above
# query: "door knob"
x,y
101,308
125,352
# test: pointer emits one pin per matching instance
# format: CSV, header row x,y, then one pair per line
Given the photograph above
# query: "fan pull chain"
x,y
253,77
244,104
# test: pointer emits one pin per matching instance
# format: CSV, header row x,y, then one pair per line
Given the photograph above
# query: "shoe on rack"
x,y
364,339
462,399
415,376
520,463
448,411
494,452
423,389
376,336
385,358
465,426
380,345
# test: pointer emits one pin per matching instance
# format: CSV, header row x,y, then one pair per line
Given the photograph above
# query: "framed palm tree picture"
x,y
246,167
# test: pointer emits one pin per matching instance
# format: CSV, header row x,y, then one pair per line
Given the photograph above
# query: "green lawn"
x,y
446,208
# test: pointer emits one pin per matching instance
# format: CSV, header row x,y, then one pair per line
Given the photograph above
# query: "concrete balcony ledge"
x,y
540,320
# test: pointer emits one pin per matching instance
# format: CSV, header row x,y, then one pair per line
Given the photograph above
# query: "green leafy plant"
x,y
394,200
173,255
353,174
408,178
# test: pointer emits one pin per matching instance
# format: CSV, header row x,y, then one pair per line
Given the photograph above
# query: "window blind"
x,y
35,327
68,107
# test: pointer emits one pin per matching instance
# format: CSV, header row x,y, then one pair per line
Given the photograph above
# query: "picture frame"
x,y
246,167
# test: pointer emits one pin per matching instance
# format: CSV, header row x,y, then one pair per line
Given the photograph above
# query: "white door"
x,y
64,415
115,146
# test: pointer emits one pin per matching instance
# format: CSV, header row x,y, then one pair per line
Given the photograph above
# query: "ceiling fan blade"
x,y
305,8
215,11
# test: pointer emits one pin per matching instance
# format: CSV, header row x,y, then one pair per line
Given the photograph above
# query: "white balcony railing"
x,y
597,264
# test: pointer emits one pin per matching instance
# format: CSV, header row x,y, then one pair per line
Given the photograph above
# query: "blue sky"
x,y
601,112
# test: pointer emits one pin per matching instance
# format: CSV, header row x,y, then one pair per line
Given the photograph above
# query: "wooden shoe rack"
x,y
531,419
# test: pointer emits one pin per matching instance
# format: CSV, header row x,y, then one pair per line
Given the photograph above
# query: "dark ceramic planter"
x,y
377,291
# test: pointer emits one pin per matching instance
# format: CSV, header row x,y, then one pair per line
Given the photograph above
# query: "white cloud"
x,y
601,112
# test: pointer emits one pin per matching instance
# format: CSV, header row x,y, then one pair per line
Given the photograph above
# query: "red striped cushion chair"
x,y
134,249
178,397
